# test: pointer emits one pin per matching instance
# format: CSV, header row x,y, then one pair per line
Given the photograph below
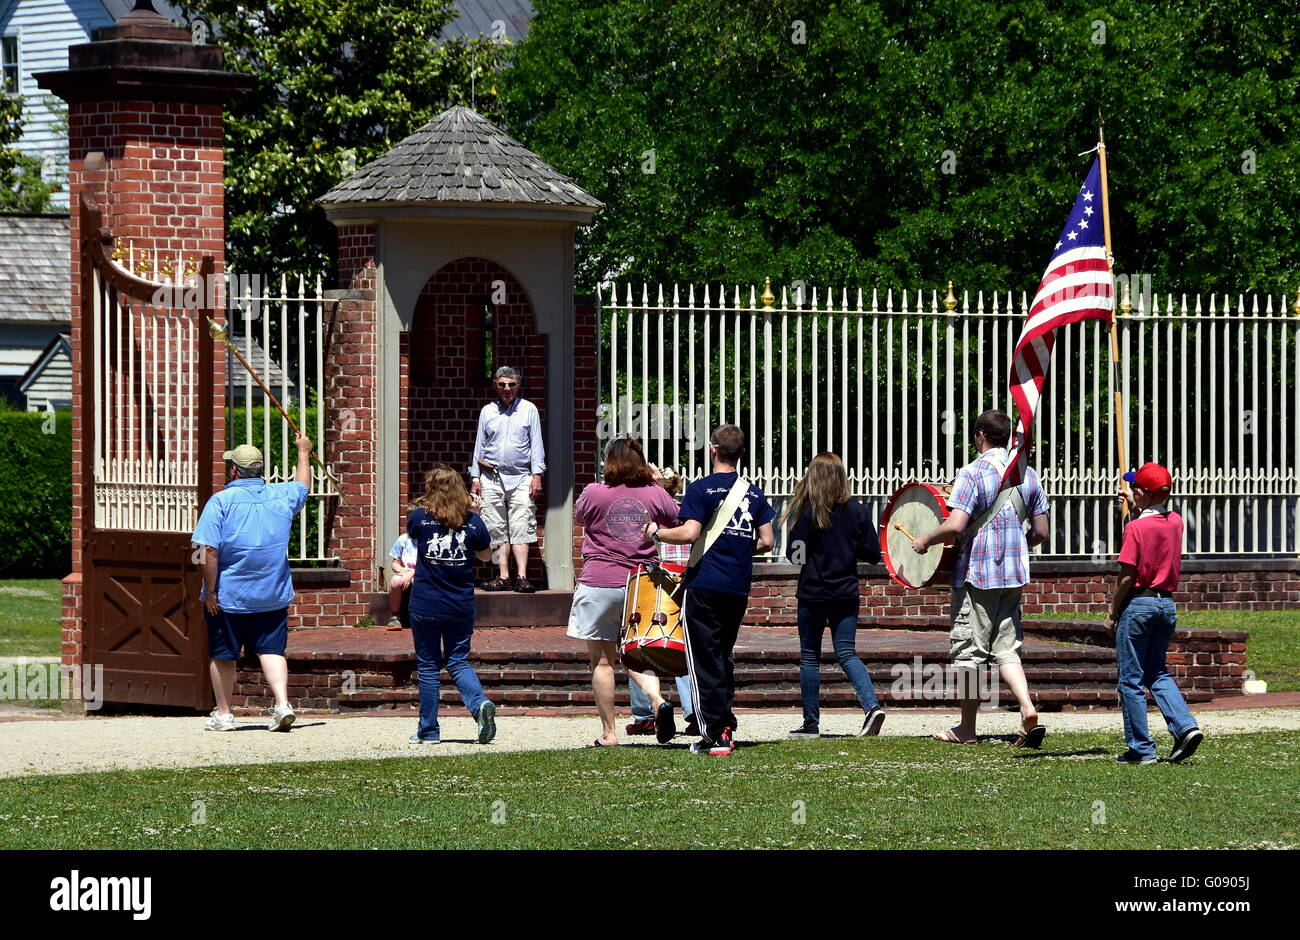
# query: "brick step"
x,y
551,608
531,697
354,670
563,674
831,696
751,657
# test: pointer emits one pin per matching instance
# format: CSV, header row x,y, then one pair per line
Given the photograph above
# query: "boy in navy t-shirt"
x,y
717,588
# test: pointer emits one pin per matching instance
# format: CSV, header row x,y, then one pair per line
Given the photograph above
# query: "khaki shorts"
x,y
985,626
508,514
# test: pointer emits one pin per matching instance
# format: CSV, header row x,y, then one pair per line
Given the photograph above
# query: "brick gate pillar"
x,y
145,141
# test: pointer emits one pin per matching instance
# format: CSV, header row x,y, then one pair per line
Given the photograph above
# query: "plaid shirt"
x,y
680,554
998,555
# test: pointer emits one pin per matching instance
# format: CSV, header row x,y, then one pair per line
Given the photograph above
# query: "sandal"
x,y
496,584
1031,738
598,743
522,586
948,736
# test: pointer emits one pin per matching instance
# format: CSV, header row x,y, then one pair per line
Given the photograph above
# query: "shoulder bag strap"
x,y
718,521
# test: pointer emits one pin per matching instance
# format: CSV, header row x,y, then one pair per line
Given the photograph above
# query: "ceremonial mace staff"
x,y
1117,401
220,334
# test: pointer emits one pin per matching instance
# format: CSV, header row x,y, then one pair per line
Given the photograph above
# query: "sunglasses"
x,y
506,384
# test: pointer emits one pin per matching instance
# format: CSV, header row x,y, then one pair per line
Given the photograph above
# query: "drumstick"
x,y
899,527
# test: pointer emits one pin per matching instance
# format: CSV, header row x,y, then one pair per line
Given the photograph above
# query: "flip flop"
x,y
665,726
597,743
948,736
1032,738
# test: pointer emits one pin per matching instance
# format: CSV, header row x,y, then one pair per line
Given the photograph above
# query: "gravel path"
x,y
54,746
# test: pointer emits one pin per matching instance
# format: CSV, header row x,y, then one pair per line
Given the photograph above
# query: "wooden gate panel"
x,y
143,619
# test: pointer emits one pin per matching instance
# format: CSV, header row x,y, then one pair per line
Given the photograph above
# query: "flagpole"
x,y
1117,401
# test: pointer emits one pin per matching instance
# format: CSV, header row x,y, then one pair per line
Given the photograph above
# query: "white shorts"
x,y
597,613
508,514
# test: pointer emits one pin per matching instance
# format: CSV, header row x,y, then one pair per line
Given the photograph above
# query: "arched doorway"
x,y
472,316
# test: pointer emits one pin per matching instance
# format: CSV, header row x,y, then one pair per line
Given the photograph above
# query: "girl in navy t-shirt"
x,y
448,535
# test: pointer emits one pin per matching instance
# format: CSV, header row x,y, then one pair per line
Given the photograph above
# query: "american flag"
x,y
1077,286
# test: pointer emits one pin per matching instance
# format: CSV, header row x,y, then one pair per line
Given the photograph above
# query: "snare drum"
x,y
653,640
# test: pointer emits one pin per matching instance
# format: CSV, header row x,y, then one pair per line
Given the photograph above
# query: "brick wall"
x,y
351,430
163,187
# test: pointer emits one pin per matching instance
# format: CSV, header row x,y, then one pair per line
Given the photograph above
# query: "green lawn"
x,y
29,617
898,793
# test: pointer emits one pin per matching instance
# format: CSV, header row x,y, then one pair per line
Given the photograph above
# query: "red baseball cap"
x,y
1151,477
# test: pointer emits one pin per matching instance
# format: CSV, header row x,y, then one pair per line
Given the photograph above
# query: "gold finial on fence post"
x,y
119,249
1295,307
1127,305
950,302
768,297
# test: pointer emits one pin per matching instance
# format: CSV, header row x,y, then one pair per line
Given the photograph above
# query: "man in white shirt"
x,y
506,472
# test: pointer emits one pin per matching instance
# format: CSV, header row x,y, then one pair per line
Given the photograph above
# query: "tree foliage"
x,y
338,83
22,187
825,160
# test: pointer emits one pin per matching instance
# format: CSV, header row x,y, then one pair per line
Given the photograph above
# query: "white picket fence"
x,y
893,384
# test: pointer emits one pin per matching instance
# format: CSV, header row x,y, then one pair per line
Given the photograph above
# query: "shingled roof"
x,y
460,157
35,253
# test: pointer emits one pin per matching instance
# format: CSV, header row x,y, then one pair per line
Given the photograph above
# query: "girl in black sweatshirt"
x,y
830,535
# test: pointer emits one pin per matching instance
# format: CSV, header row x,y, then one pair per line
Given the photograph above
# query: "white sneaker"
x,y
281,718
218,722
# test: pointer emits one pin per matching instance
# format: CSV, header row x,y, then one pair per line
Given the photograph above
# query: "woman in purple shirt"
x,y
614,513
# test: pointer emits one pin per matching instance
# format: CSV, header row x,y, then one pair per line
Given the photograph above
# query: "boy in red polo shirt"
x,y
1143,618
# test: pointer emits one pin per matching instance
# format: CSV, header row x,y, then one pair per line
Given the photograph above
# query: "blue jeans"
x,y
439,643
1141,640
641,701
843,619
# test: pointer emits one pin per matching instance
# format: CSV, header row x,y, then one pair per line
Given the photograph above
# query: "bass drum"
x,y
914,510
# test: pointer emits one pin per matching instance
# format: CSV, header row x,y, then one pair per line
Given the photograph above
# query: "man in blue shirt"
x,y
506,473
717,583
243,539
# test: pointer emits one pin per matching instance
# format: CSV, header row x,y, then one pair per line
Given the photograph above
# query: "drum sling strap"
x,y
718,521
1010,493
